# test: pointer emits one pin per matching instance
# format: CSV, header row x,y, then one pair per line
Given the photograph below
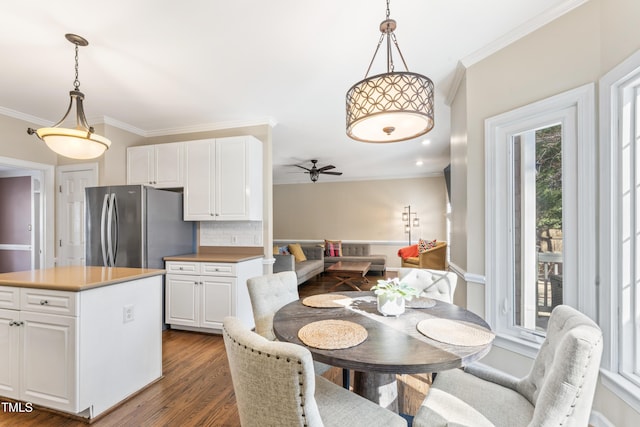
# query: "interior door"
x,y
15,224
71,209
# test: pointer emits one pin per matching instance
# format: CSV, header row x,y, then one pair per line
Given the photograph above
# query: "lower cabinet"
x,y
199,295
78,352
39,363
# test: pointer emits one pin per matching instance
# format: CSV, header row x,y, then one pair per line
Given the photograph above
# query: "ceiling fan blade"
x,y
324,168
302,167
332,173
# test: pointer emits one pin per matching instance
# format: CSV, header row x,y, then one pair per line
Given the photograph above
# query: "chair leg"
x,y
345,378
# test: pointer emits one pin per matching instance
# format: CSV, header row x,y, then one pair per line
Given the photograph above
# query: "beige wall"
x,y
17,144
575,49
361,211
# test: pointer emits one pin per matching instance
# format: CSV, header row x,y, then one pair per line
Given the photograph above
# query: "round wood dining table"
x,y
393,344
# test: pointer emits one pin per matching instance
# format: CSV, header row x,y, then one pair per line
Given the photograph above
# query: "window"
x,y
540,216
620,228
537,223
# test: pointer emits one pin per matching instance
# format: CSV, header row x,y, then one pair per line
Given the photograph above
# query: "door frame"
x,y
48,191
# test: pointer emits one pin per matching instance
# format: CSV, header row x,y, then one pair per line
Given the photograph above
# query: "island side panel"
x,y
120,341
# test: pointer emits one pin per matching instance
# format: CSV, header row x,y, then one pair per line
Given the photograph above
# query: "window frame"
x,y
611,304
574,110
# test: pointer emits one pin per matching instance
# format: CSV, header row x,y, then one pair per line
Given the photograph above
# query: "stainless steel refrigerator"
x,y
135,226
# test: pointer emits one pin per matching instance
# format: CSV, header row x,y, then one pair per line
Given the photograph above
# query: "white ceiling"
x,y
160,67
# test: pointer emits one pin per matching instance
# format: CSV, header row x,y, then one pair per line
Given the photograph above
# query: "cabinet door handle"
x,y
180,268
12,323
44,302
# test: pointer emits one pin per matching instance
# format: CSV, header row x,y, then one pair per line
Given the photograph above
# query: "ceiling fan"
x,y
315,171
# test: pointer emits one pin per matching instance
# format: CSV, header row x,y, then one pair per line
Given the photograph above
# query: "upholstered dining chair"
x,y
436,284
558,391
268,294
275,385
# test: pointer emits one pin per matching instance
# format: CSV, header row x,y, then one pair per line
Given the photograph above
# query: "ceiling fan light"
x,y
390,107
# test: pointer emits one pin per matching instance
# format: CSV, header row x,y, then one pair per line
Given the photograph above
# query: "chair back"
x,y
436,284
273,381
268,294
564,375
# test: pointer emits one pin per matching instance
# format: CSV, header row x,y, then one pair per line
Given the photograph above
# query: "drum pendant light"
x,y
80,142
390,107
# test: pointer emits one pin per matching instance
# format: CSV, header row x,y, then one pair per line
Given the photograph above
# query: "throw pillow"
x,y
425,245
333,248
408,252
284,250
297,252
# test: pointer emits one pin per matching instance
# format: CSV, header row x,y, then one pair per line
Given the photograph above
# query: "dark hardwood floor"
x,y
196,389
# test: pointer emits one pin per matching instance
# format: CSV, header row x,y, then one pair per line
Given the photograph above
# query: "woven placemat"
x,y
332,334
456,332
326,301
421,302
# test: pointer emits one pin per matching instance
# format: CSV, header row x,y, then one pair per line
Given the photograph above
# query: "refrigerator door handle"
x,y
103,224
110,254
114,248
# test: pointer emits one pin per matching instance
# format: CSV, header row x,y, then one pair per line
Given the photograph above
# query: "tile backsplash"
x,y
231,233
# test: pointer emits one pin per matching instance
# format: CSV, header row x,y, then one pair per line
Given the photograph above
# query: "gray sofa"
x,y
305,270
358,252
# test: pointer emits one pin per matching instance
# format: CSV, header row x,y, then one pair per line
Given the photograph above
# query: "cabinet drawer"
x,y
49,301
178,267
9,297
218,268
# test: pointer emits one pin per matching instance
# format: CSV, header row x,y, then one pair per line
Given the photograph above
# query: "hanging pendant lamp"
x,y
390,107
80,142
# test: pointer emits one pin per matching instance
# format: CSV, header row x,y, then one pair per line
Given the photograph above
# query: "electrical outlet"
x,y
127,314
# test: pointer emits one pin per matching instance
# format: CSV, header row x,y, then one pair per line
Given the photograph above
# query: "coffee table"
x,y
349,273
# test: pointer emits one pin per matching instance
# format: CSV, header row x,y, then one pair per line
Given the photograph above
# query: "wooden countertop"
x,y
212,257
75,278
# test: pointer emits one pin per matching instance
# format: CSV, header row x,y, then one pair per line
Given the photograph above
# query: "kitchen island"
x,y
80,339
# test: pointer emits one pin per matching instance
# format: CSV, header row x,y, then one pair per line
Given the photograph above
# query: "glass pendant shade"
x,y
76,143
390,107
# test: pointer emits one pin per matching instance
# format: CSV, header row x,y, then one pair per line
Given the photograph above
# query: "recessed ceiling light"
x,y
419,163
426,141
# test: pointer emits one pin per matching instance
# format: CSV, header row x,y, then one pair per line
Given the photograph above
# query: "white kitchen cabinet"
x,y
199,295
38,364
78,352
157,165
223,179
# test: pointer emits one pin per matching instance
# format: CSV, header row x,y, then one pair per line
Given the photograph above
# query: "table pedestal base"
x,y
378,387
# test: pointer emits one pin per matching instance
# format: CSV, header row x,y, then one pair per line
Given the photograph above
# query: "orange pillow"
x,y
408,252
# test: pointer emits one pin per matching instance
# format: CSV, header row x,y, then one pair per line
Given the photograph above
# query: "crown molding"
x,y
26,117
120,125
521,31
458,75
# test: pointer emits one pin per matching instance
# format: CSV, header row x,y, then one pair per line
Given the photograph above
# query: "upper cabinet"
x,y
157,165
223,179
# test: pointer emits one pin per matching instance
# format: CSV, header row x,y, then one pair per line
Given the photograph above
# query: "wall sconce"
x,y
409,222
